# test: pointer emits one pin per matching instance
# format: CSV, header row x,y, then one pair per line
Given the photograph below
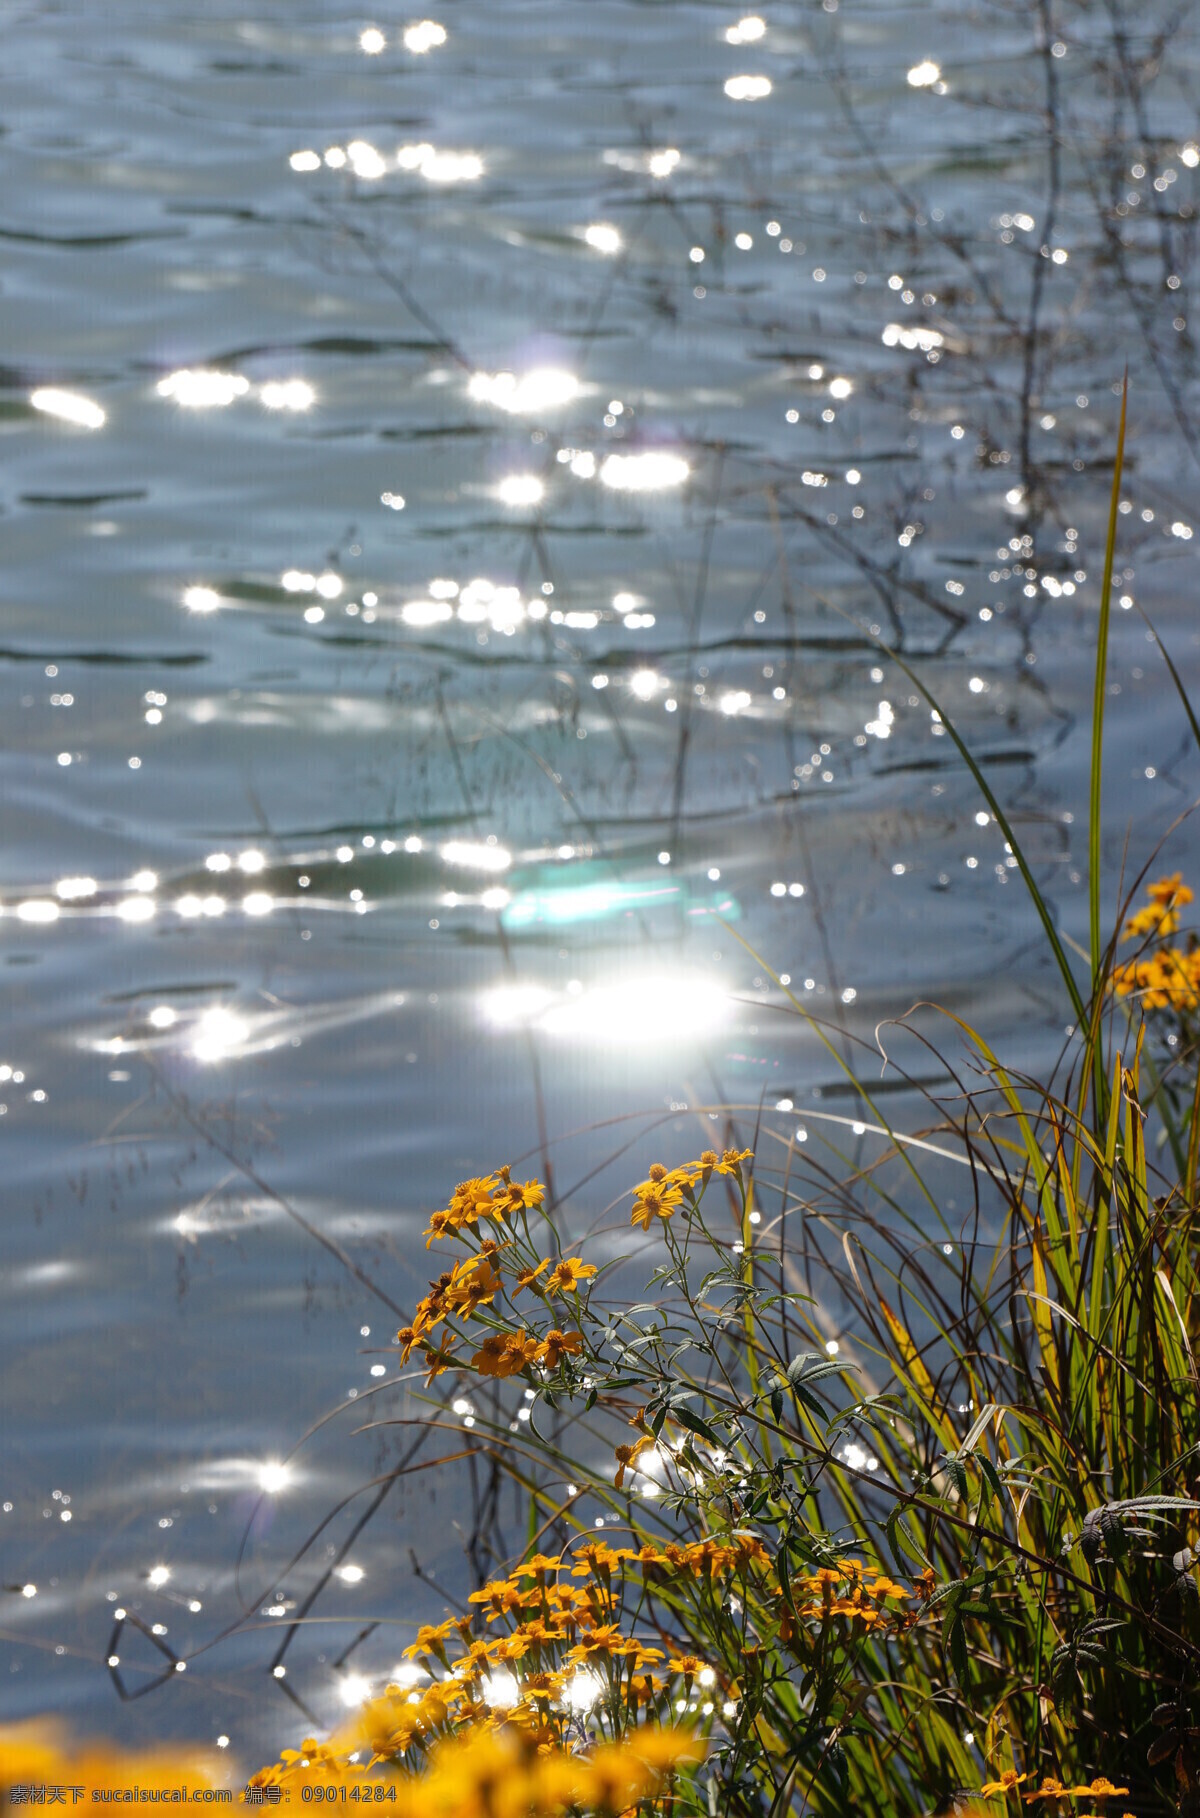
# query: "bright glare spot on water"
x,y
520,489
476,855
500,1690
158,1575
273,1477
365,161
662,163
350,1574
353,1690
840,388
218,1034
144,881
585,1690
496,897
257,903
305,160
748,88
162,1016
68,888
511,1005
641,1012
440,167
924,75
251,860
287,394
649,472
136,909
747,31
195,388
218,861
372,41
645,683
926,339
426,612
734,701
542,389
71,406
297,580
424,36
603,238
38,909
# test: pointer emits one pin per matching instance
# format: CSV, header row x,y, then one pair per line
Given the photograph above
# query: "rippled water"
x,y
456,497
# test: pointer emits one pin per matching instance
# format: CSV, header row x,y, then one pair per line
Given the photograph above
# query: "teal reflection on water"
x,y
598,899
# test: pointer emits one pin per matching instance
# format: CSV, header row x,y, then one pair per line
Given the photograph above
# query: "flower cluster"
x,y
668,1190
1052,1789
41,1753
1164,977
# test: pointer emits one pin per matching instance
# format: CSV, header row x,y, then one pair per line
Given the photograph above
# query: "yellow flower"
x,y
438,1359
527,1278
429,1640
556,1345
1101,1788
1007,1781
505,1354
568,1274
516,1196
538,1566
500,1596
654,1201
628,1455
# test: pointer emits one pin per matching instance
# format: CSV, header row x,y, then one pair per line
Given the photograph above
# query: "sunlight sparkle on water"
x,y
287,394
218,1035
71,406
440,166
69,888
195,388
426,612
543,389
641,1012
273,1477
648,472
924,74
645,683
424,36
476,855
747,31
897,334
748,88
584,1691
372,41
158,1575
201,599
365,161
350,1574
500,1690
38,909
521,489
509,1006
136,909
354,1689
602,237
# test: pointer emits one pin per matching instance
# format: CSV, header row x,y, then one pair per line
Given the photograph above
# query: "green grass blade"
x,y
1180,690
1098,703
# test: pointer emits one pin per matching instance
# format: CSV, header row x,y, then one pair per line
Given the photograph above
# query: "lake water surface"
x,y
444,620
